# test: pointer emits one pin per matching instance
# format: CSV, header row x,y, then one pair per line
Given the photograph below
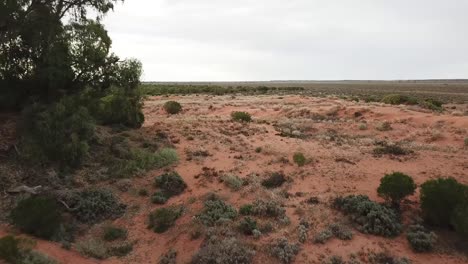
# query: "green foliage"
x,y
33,257
232,181
283,250
459,219
165,89
241,116
9,249
37,215
396,186
269,208
58,133
159,197
248,225
340,231
169,258
112,233
170,183
120,250
216,210
93,248
384,126
439,198
143,160
223,251
421,239
323,236
275,180
386,258
121,108
246,209
371,217
172,107
299,159
95,205
397,99
162,219
390,149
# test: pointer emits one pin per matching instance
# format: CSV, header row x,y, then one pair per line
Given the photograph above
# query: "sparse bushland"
x,y
171,184
216,210
421,239
396,186
218,250
162,219
18,251
241,116
38,215
275,180
370,217
299,159
165,89
444,203
95,205
283,250
172,107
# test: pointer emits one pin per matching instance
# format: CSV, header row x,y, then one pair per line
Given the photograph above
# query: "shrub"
x,y
170,183
371,217
120,250
340,231
386,258
396,186
396,99
216,210
225,251
143,160
34,257
172,107
392,149
232,181
9,249
248,225
159,197
439,198
323,236
302,230
275,180
284,251
384,126
37,215
420,239
120,108
241,116
459,219
299,159
164,218
169,258
59,133
92,248
246,209
112,233
95,205
269,208
334,260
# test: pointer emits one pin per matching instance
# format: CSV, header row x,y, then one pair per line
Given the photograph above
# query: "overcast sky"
x,y
245,40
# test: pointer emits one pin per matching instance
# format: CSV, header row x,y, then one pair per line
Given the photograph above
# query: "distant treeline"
x,y
162,89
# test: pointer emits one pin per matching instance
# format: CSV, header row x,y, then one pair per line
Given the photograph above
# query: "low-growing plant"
x,y
142,160
241,116
384,126
120,250
396,99
303,233
334,260
95,205
34,257
92,248
171,183
172,107
112,233
268,208
259,149
362,126
459,219
169,258
162,219
159,197
341,231
216,210
37,215
120,108
275,180
421,239
386,258
223,251
391,149
9,249
232,181
323,236
370,217
248,225
396,186
299,159
246,209
283,250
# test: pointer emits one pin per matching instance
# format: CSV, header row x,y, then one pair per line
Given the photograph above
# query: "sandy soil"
x,y
341,162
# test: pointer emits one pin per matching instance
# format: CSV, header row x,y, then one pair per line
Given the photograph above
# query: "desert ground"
x,y
337,137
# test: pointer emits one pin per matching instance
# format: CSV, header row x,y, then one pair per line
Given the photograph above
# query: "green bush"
x,y
275,180
172,107
9,249
93,248
341,231
162,219
386,258
120,250
246,209
396,186
34,257
371,217
421,239
391,149
397,99
283,250
169,258
171,183
241,117
159,197
299,159
459,219
95,205
143,160
59,133
216,210
37,215
248,225
384,126
223,251
323,236
232,181
439,198
269,208
112,233
121,108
